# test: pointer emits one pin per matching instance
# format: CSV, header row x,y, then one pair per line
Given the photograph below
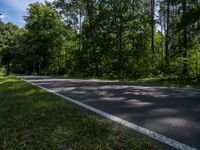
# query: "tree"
x,y
110,38
167,34
152,29
9,44
44,36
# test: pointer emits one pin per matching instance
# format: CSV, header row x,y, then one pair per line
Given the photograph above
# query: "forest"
x,y
114,39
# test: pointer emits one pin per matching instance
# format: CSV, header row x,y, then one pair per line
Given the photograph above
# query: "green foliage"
x,y
194,58
9,44
44,37
105,38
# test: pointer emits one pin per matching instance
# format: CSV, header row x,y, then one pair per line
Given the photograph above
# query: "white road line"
x,y
171,142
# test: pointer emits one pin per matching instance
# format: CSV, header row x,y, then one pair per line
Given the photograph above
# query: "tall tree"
x,y
90,8
167,34
184,6
44,36
112,38
152,29
9,44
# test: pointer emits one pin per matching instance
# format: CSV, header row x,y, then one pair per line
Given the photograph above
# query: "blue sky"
x,y
14,10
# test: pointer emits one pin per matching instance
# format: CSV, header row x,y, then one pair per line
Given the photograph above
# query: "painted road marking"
x,y
171,142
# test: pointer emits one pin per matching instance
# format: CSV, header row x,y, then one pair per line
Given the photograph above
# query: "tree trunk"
x,y
80,22
90,17
80,30
167,36
184,43
152,29
120,41
162,31
8,69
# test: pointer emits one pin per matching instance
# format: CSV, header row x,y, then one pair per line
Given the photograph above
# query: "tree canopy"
x,y
106,38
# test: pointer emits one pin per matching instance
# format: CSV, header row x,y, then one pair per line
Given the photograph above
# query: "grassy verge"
x,y
31,118
167,82
160,81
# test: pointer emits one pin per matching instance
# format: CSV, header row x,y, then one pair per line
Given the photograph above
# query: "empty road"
x,y
173,112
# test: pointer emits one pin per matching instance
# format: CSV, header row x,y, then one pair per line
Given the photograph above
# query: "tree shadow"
x,y
173,112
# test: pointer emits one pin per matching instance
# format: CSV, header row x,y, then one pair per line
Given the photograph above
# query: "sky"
x,y
14,10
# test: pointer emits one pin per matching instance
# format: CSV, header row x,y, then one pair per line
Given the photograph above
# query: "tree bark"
x,y
91,24
167,36
184,4
162,37
80,30
120,42
8,69
152,29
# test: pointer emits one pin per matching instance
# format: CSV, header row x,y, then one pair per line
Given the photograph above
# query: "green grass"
x,y
167,82
31,118
157,81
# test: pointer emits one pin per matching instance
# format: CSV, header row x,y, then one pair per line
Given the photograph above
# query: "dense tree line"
x,y
106,38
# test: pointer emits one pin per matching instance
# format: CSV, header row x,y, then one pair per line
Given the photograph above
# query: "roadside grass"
x,y
154,81
167,82
2,78
31,118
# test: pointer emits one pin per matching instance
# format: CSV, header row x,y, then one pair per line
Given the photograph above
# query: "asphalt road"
x,y
173,112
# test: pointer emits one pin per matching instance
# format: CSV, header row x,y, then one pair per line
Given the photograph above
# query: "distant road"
x,y
173,112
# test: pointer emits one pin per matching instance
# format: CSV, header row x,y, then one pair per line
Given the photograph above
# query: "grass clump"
x,y
167,82
31,118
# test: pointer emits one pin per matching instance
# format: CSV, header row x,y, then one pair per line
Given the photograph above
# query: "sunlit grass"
x,y
157,81
167,82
